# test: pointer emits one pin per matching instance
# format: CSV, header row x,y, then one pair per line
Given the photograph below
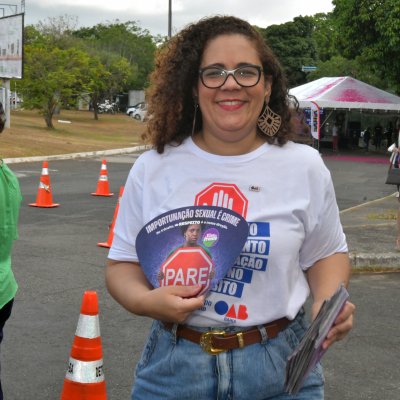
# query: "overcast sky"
x,y
153,14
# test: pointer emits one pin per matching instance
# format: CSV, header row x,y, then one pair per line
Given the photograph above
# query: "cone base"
x,y
104,244
100,194
43,206
89,391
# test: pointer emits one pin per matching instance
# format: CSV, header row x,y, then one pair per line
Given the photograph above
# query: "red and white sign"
x,y
315,120
187,267
223,195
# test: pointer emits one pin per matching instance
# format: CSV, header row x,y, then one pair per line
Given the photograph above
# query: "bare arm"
x,y
324,277
128,285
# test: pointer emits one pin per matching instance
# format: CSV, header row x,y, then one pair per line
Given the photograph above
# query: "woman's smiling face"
x,y
230,112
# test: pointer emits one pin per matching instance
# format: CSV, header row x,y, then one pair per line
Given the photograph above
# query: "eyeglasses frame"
x,y
229,72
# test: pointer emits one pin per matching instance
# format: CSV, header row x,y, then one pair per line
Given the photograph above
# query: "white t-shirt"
x,y
286,196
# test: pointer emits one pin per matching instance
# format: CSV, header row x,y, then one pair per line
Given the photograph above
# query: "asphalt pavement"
x,y
369,216
368,209
56,259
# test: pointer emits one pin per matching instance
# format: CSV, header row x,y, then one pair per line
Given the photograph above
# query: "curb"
x,y
379,261
71,156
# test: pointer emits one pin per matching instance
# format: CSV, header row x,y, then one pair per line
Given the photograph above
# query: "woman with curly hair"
x,y
220,128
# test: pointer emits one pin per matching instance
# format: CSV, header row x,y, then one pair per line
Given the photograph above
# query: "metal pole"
x,y
7,102
169,19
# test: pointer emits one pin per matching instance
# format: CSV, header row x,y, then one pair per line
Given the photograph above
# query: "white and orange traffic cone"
x,y
44,197
111,232
103,188
84,379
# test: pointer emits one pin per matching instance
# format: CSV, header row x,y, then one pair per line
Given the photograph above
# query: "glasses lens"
x,y
213,77
247,76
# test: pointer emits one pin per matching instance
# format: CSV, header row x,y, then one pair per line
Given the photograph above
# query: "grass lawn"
x,y
28,135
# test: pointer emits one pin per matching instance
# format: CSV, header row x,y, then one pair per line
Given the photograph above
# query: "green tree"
x,y
370,31
127,41
294,45
325,36
52,77
105,81
96,82
335,66
103,74
58,30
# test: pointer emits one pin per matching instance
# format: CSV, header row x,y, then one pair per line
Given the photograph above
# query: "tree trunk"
x,y
49,121
49,112
95,111
95,100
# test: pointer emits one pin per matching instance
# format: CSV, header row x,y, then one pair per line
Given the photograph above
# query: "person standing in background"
x,y
367,138
10,200
389,134
397,165
378,134
335,137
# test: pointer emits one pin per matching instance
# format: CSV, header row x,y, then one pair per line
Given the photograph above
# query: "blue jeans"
x,y
174,368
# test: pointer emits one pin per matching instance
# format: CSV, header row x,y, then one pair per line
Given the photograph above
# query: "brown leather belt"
x,y
218,341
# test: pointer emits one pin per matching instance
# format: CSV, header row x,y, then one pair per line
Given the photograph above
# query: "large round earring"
x,y
269,122
196,106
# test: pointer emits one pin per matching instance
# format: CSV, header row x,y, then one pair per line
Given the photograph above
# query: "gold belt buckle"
x,y
206,342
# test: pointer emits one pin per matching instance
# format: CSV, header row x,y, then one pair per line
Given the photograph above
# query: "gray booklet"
x,y
309,351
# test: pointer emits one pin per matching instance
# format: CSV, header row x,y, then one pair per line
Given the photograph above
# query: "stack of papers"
x,y
309,351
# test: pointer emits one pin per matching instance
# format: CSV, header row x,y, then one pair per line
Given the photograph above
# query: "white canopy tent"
x,y
345,93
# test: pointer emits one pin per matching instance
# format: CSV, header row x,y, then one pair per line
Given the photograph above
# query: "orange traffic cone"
x,y
84,379
44,197
103,188
111,233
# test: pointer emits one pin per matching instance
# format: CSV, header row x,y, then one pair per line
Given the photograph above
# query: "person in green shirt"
x,y
10,200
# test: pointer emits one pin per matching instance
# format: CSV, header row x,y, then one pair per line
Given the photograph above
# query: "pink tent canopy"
x,y
345,93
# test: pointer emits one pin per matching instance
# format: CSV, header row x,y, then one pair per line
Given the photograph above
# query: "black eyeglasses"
x,y
215,77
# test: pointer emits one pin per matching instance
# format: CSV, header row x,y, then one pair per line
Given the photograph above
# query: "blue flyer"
x,y
194,245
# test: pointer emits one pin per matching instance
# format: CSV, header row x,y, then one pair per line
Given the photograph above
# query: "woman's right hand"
x,y
171,303
129,286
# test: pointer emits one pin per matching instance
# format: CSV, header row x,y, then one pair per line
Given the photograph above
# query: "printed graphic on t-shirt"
x,y
225,195
252,259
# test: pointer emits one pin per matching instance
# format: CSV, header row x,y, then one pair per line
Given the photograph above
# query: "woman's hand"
x,y
128,285
324,277
342,325
171,303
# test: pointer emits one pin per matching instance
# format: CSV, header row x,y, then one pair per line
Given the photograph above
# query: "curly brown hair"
x,y
171,105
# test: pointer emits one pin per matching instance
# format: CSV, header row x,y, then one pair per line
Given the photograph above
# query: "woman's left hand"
x,y
342,325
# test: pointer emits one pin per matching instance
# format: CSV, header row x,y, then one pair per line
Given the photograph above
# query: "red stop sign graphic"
x,y
223,195
187,266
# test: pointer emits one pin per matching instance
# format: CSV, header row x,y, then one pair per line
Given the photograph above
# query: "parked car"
x,y
140,114
131,110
